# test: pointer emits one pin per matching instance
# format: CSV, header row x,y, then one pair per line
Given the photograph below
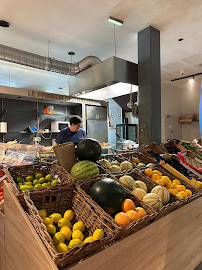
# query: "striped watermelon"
x,y
140,184
162,192
153,200
83,169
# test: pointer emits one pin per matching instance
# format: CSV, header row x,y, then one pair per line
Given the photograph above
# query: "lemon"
x,y
69,214
19,180
54,182
43,213
88,239
77,235
37,186
79,226
48,221
29,178
55,217
48,177
38,176
42,180
28,183
45,185
98,234
58,238
64,222
51,229
35,182
62,248
74,243
66,231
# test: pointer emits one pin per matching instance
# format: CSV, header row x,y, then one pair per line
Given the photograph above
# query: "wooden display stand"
x,y
173,242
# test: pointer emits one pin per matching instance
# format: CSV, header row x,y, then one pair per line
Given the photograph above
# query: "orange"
x,y
155,177
148,172
177,181
188,192
176,191
136,160
158,172
133,215
141,212
166,180
181,188
183,194
174,185
160,182
169,186
171,191
127,205
122,219
179,196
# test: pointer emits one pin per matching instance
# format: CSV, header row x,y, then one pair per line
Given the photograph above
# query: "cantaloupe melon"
x,y
153,200
115,168
140,193
126,165
115,163
105,163
140,184
162,192
128,182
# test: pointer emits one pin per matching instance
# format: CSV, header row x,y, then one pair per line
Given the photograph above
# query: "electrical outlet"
x,y
37,139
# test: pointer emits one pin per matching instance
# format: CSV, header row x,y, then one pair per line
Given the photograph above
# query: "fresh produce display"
x,y
193,149
64,233
83,169
173,187
115,166
139,192
88,149
162,192
128,182
108,194
129,213
141,164
154,200
38,181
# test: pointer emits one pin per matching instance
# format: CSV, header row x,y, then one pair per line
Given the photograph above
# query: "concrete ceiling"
x,y
82,27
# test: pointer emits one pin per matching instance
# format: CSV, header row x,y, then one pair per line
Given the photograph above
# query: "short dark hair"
x,y
75,120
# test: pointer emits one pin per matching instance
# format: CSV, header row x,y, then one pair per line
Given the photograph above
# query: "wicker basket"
x,y
143,158
23,171
83,188
173,203
58,201
195,192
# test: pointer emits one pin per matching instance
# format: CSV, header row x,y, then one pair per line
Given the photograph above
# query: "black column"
x,y
149,81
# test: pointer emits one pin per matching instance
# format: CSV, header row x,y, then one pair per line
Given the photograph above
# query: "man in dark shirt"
x,y
73,134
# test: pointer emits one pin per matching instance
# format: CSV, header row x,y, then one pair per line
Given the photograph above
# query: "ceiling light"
x,y
191,80
115,21
4,24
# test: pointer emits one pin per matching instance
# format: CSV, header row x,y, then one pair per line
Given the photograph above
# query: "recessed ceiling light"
x,y
4,24
115,21
180,39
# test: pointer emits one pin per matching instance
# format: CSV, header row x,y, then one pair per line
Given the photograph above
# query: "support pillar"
x,y
149,81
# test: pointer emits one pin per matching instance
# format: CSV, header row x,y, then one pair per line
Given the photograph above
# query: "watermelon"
x,y
108,194
83,169
88,149
162,192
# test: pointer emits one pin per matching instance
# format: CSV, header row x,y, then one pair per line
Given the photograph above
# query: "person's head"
x,y
75,123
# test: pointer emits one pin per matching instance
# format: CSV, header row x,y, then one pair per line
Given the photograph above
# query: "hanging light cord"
x,y
114,40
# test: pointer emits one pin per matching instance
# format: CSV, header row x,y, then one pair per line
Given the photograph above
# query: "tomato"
x,y
1,189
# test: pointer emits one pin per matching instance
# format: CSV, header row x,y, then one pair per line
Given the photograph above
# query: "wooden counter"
x,y
171,243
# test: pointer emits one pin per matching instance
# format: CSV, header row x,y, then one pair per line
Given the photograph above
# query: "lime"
x,y
29,178
74,243
69,214
20,184
49,177
45,185
98,234
35,182
38,176
62,248
30,188
64,222
54,182
22,187
49,184
88,239
48,221
77,235
28,183
66,231
42,180
19,180
79,226
55,217
42,213
24,190
37,186
51,229
58,238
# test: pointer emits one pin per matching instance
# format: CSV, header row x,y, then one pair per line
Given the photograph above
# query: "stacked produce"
x,y
66,235
193,148
115,166
173,187
38,181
